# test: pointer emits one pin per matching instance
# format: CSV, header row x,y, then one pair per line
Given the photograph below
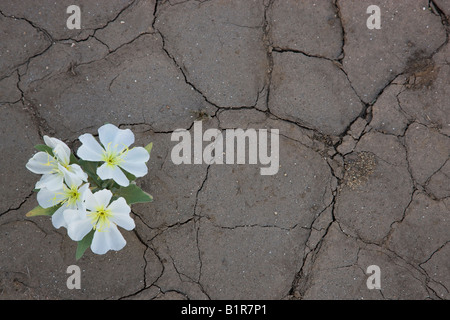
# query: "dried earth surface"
x,y
364,146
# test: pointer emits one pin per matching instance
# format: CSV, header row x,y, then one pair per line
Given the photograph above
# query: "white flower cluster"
x,y
91,194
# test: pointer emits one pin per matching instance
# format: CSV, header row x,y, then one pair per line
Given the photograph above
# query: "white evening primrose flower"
x,y
55,168
102,216
115,154
70,196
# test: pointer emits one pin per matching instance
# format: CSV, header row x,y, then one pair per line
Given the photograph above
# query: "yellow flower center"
x,y
69,196
73,195
100,218
52,162
112,157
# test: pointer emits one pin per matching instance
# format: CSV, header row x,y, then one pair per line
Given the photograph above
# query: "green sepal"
x,y
39,211
44,148
149,147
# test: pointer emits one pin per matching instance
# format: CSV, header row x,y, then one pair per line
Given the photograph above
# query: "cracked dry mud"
x,y
364,120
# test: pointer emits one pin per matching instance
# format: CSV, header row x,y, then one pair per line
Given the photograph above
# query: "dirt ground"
x,y
364,146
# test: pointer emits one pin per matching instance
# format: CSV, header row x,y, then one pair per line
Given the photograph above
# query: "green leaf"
x,y
39,211
44,148
83,244
129,176
149,147
133,194
73,159
90,168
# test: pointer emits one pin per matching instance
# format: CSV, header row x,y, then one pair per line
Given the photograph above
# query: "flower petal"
x,y
134,161
52,142
62,153
71,215
103,197
41,163
90,150
118,138
49,198
76,169
52,181
109,239
106,172
107,133
70,178
136,154
77,226
83,190
138,169
120,211
90,201
58,220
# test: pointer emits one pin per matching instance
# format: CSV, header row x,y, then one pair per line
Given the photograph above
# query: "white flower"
x,y
70,196
114,153
55,169
102,216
